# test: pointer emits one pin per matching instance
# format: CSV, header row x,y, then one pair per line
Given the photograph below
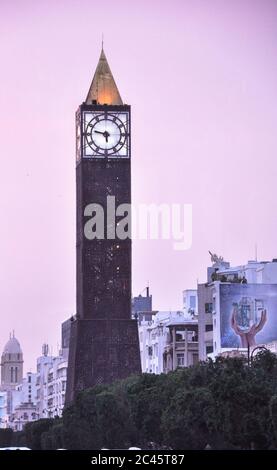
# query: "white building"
x,y
38,395
56,386
3,409
190,301
44,364
28,388
11,365
23,413
232,295
254,272
51,384
167,340
23,403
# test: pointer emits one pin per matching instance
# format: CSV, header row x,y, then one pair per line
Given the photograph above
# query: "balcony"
x,y
182,344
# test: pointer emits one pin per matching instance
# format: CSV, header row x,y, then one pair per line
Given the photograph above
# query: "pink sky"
x,y
201,78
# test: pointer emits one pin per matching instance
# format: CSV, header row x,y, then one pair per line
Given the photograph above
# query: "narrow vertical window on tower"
x,y
104,339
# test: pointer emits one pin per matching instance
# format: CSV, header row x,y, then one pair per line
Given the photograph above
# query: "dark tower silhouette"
x,y
103,339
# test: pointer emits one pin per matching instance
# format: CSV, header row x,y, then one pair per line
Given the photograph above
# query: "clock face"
x,y
106,134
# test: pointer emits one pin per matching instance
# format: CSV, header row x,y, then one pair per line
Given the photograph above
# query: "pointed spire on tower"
x,y
103,89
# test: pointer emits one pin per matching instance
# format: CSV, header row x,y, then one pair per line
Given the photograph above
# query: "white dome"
x,y
12,347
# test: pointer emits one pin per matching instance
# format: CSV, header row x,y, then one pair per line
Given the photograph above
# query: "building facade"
x,y
44,364
38,395
236,308
205,320
141,304
167,341
190,302
3,410
23,414
11,365
56,387
28,388
66,328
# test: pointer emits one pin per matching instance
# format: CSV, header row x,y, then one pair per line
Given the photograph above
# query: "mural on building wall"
x,y
248,314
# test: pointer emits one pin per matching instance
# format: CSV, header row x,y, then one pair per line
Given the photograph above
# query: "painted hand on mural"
x,y
256,328
248,337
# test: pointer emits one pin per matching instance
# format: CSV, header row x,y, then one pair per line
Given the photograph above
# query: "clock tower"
x,y
104,339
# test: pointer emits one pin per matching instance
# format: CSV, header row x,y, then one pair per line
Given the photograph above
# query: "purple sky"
x,y
201,78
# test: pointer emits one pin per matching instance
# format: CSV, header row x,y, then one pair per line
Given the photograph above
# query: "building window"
x,y
208,307
192,301
194,359
180,360
18,357
209,328
16,375
29,379
11,374
209,349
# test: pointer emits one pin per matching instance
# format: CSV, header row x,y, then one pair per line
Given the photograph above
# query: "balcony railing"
x,y
182,344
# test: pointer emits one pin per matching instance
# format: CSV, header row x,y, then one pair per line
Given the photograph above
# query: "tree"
x,y
33,432
273,416
189,420
80,430
114,420
223,403
6,437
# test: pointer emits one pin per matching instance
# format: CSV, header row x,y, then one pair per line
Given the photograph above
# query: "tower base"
x,y
100,352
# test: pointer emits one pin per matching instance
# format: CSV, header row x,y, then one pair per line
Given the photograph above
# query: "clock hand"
x,y
106,135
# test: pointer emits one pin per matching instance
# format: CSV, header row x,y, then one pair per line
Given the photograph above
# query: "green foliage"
x,y
6,437
273,415
80,422
53,438
224,404
33,432
189,420
18,439
114,421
